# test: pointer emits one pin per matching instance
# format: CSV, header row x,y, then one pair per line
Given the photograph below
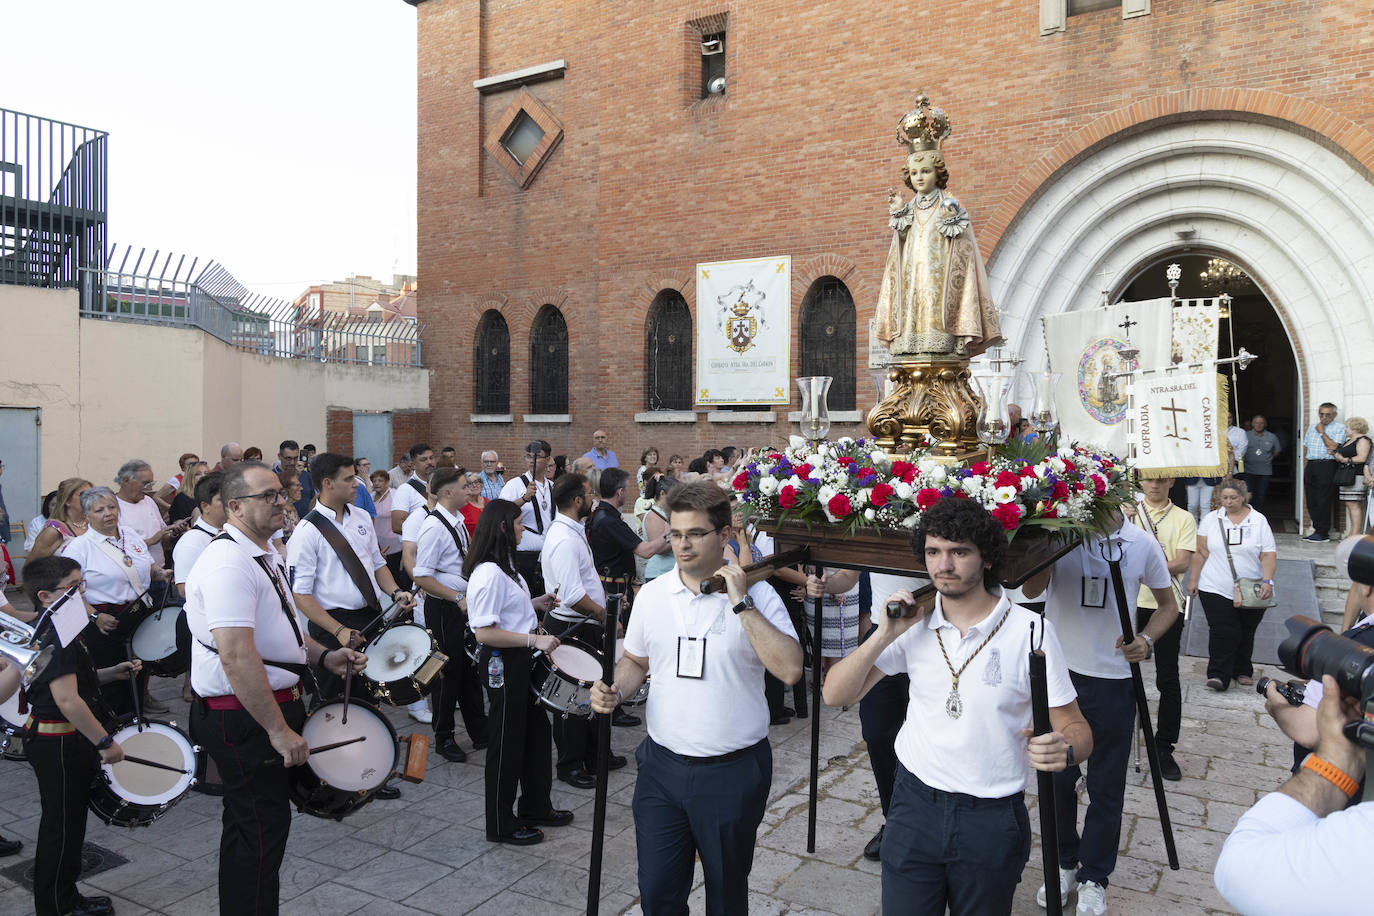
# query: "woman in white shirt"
x,y
1231,638
503,617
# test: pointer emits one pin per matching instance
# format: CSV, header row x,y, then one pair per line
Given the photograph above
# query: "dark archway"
x,y
828,333
491,364
549,362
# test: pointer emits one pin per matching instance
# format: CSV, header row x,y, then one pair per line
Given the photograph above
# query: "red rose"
x,y
775,456
881,494
1026,471
982,469
839,505
904,471
1061,490
741,480
927,497
802,471
787,496
1008,479
1070,467
1009,514
846,461
1078,488
1099,485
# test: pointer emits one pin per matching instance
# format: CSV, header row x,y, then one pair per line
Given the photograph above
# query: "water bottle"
x,y
496,670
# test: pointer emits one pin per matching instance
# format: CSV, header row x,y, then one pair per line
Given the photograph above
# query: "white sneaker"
x,y
1092,899
1068,882
419,711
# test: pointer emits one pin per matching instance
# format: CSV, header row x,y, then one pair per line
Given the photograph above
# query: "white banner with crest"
x,y
1180,422
744,332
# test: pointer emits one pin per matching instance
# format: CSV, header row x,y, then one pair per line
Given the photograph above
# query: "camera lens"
x,y
1312,650
1262,686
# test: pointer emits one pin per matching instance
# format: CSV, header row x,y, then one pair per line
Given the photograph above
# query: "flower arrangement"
x,y
852,483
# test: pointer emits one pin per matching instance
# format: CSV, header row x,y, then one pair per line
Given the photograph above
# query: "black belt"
x,y
718,758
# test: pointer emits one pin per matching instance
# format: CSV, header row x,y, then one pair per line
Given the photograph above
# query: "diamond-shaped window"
x,y
523,137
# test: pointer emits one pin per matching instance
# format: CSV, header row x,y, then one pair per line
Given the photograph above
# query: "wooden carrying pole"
x,y
1049,828
603,756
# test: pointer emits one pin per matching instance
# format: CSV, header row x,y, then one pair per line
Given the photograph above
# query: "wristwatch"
x,y
1149,646
746,605
105,743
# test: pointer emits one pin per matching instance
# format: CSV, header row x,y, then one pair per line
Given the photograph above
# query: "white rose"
x,y
826,492
880,459
796,443
971,485
1005,494
795,482
844,442
816,460
903,489
1056,465
768,485
1066,451
861,498
870,515
910,521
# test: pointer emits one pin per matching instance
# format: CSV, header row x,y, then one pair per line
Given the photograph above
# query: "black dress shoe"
x,y
523,836
615,762
93,906
779,720
624,719
10,847
787,711
555,818
578,779
1168,766
449,750
873,852
388,793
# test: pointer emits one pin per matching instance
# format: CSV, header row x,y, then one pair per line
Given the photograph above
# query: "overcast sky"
x,y
274,136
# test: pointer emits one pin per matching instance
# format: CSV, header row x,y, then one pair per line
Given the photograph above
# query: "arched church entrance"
x,y
1286,205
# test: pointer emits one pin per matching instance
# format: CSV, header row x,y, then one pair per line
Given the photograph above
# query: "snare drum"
x,y
128,794
562,680
155,644
640,696
338,782
401,663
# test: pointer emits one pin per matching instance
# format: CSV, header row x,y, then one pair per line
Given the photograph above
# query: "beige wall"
x,y
112,390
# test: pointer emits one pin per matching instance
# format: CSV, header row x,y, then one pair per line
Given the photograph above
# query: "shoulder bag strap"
x,y
344,551
458,541
114,553
1221,526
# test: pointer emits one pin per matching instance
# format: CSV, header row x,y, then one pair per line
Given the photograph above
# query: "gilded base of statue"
x,y
934,400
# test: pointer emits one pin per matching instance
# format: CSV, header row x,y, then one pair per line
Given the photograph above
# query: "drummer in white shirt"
x,y
534,497
706,765
242,620
412,493
205,528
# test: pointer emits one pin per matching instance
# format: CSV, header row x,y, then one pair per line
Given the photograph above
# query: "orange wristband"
x,y
1331,774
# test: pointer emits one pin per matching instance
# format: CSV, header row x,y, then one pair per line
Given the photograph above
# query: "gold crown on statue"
x,y
923,127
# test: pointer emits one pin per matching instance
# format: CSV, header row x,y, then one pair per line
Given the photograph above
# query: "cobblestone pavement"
x,y
427,852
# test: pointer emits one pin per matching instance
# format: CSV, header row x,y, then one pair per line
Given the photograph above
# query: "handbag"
x,y
1346,473
1248,589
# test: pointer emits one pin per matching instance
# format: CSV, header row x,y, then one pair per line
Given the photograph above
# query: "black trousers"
x,y
460,682
398,572
528,563
1259,488
1166,679
774,690
331,685
1319,484
575,736
521,743
881,714
257,806
111,649
1230,637
65,766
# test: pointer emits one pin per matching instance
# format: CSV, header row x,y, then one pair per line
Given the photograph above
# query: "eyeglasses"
x,y
690,537
80,583
268,496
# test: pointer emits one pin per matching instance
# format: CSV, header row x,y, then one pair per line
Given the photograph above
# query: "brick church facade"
x,y
575,166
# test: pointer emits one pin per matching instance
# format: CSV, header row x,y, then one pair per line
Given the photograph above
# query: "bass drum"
x,y
401,663
157,643
338,782
128,794
562,680
640,696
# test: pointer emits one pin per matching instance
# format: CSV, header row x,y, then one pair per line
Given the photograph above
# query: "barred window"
x,y
549,362
668,353
491,364
828,333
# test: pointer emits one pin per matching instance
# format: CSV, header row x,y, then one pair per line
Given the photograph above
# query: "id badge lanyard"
x,y
691,650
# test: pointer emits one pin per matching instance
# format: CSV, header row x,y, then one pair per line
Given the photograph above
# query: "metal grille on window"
x,y
828,338
668,353
491,364
549,362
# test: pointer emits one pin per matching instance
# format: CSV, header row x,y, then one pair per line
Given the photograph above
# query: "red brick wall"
x,y
338,428
795,160
407,428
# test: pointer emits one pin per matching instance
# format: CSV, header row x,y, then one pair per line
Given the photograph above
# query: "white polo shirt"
x,y
981,753
535,531
725,709
436,552
144,518
106,580
1249,539
316,569
1089,634
229,589
567,564
497,600
406,498
189,548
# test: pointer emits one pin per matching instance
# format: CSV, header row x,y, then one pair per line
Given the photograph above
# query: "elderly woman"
x,y
66,522
1354,454
472,509
1233,542
118,568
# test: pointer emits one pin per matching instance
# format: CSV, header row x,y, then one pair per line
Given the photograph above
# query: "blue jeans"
x,y
943,849
1109,706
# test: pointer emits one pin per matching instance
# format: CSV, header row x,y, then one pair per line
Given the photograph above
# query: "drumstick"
x,y
153,763
277,761
133,685
348,686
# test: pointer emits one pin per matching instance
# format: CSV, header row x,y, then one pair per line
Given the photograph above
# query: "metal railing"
x,y
176,290
53,193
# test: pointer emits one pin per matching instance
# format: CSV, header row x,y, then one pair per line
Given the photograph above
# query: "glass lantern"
x,y
994,420
815,411
1043,415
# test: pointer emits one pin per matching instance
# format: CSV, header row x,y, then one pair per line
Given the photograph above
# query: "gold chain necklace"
x,y
954,705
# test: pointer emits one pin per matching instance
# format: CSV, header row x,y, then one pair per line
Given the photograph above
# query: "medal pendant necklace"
x,y
954,704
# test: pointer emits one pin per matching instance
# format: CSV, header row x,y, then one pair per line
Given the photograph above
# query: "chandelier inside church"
x,y
1221,276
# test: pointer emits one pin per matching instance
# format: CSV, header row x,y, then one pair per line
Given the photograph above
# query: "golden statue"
x,y
934,299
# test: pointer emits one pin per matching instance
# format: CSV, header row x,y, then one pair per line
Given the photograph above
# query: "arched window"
x,y
491,364
668,353
549,362
828,338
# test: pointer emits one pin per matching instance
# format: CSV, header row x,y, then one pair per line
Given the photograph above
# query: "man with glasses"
x,y
492,480
533,493
706,765
289,462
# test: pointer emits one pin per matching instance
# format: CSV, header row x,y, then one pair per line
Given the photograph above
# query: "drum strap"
x,y
538,518
460,542
351,564
419,487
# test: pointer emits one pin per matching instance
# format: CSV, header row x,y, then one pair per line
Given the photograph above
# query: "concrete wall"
x,y
111,390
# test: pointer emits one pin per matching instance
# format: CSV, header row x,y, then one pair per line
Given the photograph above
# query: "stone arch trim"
x,y
644,295
1348,136
825,265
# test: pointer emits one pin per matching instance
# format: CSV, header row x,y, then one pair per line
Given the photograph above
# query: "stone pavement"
x,y
427,852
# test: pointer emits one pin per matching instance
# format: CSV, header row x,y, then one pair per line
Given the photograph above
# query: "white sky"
x,y
274,136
